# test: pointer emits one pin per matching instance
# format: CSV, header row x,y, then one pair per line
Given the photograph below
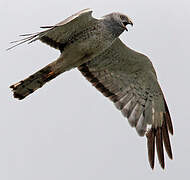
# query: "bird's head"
x,y
117,22
122,20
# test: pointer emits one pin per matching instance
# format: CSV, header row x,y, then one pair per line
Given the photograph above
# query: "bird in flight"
x,y
123,75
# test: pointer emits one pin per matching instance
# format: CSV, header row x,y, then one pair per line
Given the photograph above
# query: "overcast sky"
x,y
67,129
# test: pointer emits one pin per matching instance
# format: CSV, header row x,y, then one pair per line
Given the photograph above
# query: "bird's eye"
x,y
122,17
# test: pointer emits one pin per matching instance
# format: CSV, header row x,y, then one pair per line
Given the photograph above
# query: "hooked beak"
x,y
124,24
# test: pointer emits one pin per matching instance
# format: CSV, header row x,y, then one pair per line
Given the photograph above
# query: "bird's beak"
x,y
124,24
130,21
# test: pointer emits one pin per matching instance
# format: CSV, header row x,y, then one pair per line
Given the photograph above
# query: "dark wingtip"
x,y
158,136
169,123
151,146
166,139
168,119
159,147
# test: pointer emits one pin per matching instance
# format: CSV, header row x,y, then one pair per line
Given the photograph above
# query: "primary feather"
x,y
128,79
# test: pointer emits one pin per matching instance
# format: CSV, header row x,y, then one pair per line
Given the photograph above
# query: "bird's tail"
x,y
34,82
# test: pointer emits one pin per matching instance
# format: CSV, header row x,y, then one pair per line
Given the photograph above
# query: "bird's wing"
x,y
57,35
129,80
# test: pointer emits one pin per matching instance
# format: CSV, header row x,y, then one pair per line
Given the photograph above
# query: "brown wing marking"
x,y
95,82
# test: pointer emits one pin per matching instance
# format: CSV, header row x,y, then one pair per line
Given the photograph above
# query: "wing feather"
x,y
57,35
129,80
159,145
151,146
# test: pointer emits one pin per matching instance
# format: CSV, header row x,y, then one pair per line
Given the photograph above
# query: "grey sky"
x,y
67,129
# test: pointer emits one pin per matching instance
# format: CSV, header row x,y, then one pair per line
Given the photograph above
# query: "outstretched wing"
x,y
57,35
129,80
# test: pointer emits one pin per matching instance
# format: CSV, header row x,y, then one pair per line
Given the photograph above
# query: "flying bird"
x,y
123,75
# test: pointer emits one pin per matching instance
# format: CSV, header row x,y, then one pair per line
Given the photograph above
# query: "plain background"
x,y
67,129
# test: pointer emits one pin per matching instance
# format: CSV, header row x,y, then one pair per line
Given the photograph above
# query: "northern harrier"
x,y
123,75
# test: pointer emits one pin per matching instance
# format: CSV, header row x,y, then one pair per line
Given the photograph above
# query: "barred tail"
x,y
33,82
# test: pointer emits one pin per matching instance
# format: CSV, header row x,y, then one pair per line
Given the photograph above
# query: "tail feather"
x,y
33,82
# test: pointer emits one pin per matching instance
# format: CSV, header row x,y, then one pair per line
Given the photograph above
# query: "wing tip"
x,y
151,146
166,139
159,147
158,136
168,119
